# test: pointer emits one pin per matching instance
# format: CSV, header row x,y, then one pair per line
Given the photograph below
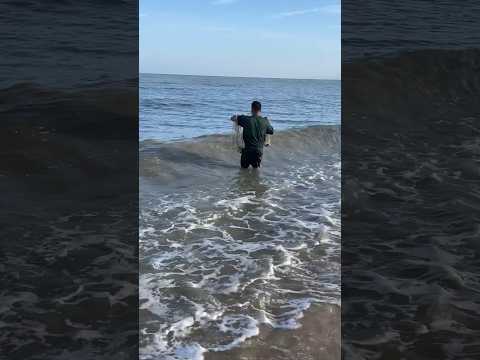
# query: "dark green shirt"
x,y
255,128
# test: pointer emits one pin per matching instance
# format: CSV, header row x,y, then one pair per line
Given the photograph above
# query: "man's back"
x,y
255,129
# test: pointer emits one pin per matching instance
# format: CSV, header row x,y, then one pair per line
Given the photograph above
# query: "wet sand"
x,y
317,339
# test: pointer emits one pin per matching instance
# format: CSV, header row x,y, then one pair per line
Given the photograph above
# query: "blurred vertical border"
x,y
69,179
410,180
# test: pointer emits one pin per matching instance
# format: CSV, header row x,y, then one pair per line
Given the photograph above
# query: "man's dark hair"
x,y
256,106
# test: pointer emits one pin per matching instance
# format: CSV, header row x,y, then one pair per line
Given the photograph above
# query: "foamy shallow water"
x,y
220,259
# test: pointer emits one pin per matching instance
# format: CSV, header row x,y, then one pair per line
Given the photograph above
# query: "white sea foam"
x,y
241,326
216,270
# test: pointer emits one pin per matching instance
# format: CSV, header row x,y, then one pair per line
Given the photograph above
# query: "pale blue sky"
x,y
262,38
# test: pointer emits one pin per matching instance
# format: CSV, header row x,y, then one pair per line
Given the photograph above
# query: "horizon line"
x,y
242,77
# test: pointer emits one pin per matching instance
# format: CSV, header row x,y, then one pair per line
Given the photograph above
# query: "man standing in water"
x,y
255,130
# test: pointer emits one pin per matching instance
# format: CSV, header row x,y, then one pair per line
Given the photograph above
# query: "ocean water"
x,y
410,192
224,251
378,29
410,200
178,107
90,42
68,259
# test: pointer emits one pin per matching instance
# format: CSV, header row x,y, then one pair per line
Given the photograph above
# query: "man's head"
x,y
256,107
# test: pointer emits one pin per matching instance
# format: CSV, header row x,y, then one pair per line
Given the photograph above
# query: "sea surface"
x,y
69,179
410,180
179,107
410,200
225,252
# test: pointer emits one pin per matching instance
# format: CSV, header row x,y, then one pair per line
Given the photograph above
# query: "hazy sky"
x,y
265,38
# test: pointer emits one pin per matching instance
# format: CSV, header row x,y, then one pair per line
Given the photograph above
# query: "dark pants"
x,y
250,157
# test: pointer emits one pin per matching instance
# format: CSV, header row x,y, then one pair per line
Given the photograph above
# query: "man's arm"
x,y
240,119
269,127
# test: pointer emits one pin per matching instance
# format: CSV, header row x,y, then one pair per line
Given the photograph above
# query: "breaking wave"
x,y
230,251
212,156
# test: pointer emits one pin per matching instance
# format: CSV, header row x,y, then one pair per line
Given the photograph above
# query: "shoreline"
x,y
317,339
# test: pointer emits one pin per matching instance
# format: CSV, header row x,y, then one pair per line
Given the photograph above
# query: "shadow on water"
x,y
249,180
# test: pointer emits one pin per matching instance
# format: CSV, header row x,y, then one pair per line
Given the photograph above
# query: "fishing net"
x,y
237,136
